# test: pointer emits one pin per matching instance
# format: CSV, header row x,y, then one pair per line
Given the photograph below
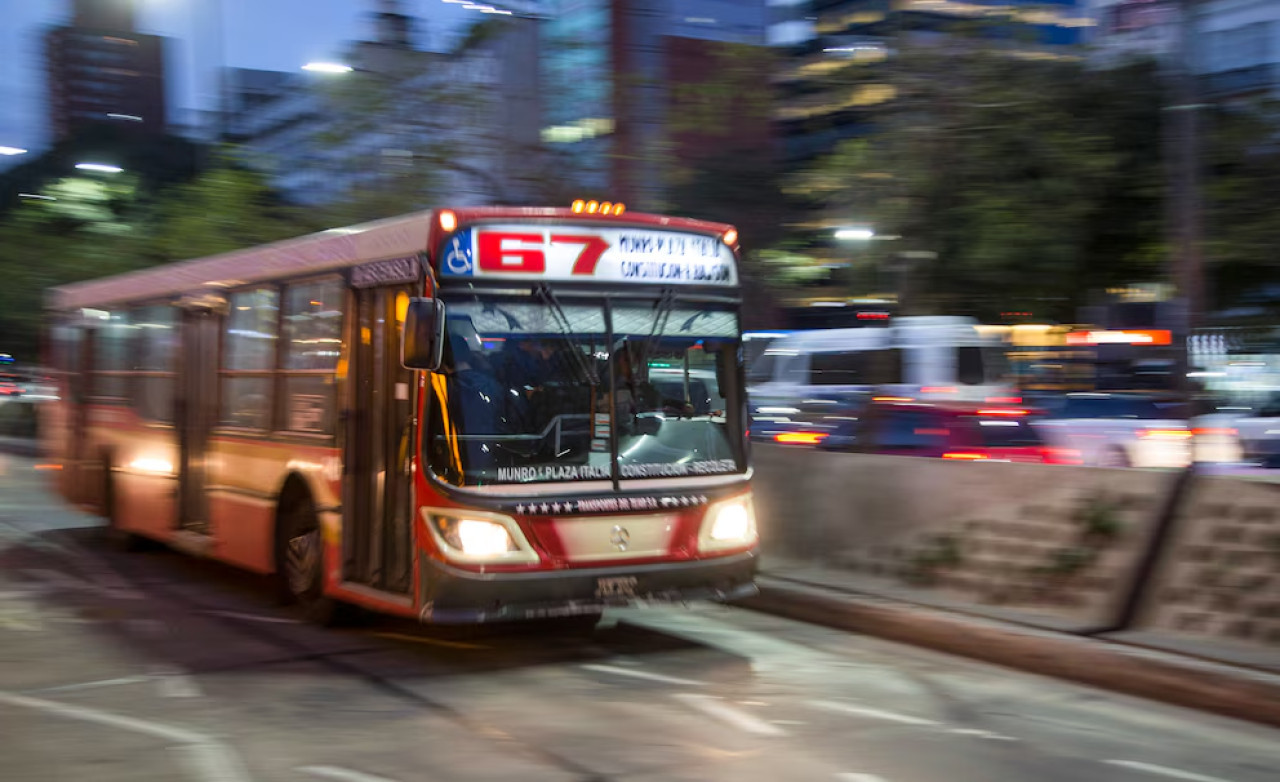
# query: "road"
x,y
155,666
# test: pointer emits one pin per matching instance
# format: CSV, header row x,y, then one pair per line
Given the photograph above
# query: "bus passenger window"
x,y
969,368
248,359
111,358
153,360
312,345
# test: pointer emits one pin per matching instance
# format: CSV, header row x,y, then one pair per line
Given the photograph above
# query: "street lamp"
x,y
327,67
854,234
102,168
12,151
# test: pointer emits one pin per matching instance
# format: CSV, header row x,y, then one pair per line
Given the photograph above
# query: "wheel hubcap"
x,y
302,560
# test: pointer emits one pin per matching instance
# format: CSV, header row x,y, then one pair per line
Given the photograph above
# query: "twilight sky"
x,y
268,34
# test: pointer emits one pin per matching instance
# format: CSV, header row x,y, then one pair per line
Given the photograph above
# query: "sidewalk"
x,y
1125,663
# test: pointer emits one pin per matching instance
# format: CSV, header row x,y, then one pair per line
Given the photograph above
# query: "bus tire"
x,y
300,558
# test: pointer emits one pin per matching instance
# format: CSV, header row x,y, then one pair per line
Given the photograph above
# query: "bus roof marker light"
x,y
448,220
730,237
593,207
578,206
619,208
606,208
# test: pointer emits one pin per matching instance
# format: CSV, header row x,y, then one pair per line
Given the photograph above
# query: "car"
x,y
1120,429
958,431
1254,430
701,390
10,386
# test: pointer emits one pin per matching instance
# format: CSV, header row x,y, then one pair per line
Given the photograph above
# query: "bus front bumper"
x,y
452,596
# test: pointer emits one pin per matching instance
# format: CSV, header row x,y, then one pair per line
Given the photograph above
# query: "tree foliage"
x,y
1021,178
107,224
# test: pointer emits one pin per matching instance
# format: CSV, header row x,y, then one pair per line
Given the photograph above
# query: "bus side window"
x,y
969,366
153,359
312,345
249,359
114,338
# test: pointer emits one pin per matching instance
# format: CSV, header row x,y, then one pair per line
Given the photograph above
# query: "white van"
x,y
807,375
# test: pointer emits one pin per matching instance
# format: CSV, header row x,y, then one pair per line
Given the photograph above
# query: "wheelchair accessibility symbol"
x,y
457,260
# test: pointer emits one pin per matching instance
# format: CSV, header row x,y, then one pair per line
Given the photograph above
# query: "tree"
x,y
104,225
1242,202
1027,181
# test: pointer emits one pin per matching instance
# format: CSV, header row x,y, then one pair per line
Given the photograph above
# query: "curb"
x,y
1221,689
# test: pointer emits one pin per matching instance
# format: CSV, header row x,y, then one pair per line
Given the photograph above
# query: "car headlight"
x,y
478,538
730,524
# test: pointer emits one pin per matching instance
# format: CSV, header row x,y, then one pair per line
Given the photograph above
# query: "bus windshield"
x,y
536,389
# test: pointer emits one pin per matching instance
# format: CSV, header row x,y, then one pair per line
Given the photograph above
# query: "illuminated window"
x,y
248,359
312,346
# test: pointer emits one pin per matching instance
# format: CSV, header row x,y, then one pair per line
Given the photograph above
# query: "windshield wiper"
x,y
665,305
566,329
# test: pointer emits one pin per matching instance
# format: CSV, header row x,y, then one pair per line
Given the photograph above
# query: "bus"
x,y
463,415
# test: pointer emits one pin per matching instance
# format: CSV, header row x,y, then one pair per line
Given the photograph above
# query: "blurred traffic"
x,y
951,387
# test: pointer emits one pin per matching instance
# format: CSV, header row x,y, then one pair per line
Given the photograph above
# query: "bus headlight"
x,y
478,538
730,524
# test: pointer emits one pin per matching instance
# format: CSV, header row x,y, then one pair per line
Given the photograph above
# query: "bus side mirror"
x,y
422,345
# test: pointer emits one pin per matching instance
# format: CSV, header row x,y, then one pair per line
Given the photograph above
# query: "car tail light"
x,y
968,456
1005,411
1166,434
1062,456
1211,431
937,389
1004,400
800,438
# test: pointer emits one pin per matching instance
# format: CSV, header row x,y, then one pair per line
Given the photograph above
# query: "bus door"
x,y
195,408
377,505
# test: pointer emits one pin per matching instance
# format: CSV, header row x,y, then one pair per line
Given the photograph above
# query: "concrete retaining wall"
x,y
1054,545
1220,574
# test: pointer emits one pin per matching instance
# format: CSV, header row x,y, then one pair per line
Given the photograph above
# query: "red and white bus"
x,y
463,416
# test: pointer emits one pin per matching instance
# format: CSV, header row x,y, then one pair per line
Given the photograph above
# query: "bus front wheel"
x,y
300,559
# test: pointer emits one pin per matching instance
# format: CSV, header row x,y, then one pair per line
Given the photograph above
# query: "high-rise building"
x,y
101,70
466,121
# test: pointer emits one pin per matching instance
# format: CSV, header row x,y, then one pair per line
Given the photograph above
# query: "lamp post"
x,y
101,168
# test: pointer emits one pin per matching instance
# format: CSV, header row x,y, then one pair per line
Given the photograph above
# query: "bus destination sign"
x,y
585,254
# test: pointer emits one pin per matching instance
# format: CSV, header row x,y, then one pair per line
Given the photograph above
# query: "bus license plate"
x,y
616,586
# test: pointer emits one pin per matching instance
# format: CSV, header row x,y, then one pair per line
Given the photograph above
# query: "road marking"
x,y
982,734
714,707
341,774
175,683
279,620
646,675
95,684
64,581
211,761
856,777
1175,773
863,711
